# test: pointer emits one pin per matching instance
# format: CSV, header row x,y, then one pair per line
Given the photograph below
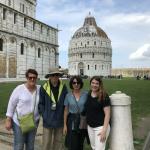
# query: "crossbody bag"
x,y
27,122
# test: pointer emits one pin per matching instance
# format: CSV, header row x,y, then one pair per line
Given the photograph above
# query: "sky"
x,y
126,22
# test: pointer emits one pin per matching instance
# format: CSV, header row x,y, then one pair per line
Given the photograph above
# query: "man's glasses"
x,y
32,78
75,82
56,74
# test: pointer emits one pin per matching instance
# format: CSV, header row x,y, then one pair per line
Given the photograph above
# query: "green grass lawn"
x,y
137,89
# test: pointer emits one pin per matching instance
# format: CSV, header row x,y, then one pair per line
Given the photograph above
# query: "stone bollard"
x,y
121,136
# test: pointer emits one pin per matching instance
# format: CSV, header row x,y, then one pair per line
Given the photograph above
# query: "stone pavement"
x,y
6,137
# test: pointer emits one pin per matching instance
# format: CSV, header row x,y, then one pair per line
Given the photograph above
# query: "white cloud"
x,y
132,18
142,53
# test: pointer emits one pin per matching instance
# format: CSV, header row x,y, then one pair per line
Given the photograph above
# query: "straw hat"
x,y
54,71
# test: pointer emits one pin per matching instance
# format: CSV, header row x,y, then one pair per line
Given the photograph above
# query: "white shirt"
x,y
23,101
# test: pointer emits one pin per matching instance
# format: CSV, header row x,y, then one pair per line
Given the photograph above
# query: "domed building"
x,y
90,51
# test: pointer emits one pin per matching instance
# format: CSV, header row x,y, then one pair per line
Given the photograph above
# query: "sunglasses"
x,y
75,82
32,78
56,74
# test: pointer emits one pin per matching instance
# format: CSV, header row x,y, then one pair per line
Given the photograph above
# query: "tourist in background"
x,y
23,100
51,107
74,105
97,109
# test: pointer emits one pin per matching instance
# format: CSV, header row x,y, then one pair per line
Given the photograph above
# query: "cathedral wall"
x,y
22,25
27,7
14,64
39,43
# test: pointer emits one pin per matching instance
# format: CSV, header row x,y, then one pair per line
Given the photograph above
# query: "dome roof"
x,y
89,29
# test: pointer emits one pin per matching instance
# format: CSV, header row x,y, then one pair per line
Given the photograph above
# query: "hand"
x,y
102,135
8,124
65,130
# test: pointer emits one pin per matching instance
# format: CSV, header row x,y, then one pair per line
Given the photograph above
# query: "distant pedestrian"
x,y
24,100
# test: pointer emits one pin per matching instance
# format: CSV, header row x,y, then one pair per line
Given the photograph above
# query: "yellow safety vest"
x,y
47,88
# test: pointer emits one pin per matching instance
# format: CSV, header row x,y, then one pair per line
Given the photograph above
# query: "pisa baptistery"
x,y
90,51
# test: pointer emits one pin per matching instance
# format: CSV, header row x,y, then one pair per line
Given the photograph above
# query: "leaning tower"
x,y
90,51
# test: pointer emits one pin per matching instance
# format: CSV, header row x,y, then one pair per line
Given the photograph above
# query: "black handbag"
x,y
76,122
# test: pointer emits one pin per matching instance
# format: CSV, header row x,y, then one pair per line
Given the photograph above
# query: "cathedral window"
x,y
41,29
23,8
9,2
102,67
4,13
25,22
92,55
80,55
48,32
39,52
33,26
95,67
88,67
81,43
104,55
22,49
26,10
1,44
85,45
94,42
15,16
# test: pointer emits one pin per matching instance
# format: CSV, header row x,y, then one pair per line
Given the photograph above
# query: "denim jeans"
x,y
21,139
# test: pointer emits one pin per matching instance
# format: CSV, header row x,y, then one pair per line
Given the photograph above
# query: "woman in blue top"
x,y
74,105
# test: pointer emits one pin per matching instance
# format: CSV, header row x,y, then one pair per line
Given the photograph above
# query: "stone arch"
x,y
52,57
21,59
12,57
3,57
30,54
4,48
46,57
80,68
25,46
39,61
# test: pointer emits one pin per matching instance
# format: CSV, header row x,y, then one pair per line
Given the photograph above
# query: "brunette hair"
x,y
101,92
79,80
33,71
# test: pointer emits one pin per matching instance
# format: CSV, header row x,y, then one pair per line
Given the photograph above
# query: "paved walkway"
x,y
6,137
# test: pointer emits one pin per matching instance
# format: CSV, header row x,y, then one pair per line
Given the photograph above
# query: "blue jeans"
x,y
21,139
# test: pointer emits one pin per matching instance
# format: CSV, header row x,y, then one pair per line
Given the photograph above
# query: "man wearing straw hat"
x,y
51,107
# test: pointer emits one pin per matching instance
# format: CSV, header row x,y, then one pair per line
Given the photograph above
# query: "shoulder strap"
x,y
76,103
34,104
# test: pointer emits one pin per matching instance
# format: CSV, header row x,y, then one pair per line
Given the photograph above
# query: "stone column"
x,y
121,136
